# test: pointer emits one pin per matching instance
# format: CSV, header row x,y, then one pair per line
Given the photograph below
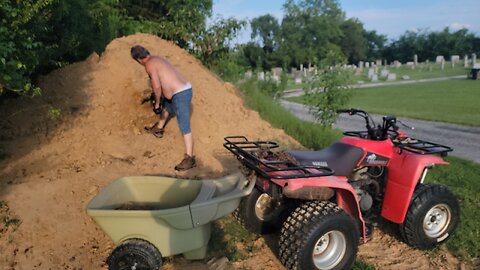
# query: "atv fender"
x,y
346,197
404,172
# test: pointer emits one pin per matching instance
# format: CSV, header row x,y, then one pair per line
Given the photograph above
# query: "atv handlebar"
x,y
388,129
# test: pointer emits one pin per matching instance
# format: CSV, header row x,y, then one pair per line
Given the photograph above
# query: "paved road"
x,y
464,140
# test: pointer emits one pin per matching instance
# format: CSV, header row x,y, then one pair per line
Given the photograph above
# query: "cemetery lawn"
x,y
422,71
454,101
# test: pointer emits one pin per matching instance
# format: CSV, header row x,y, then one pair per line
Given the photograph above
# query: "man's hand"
x,y
157,109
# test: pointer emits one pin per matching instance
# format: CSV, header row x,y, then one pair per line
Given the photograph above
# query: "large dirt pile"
x,y
51,168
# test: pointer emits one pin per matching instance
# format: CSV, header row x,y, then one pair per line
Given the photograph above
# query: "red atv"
x,y
325,200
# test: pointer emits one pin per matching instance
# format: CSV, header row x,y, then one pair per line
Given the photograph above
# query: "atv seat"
x,y
339,156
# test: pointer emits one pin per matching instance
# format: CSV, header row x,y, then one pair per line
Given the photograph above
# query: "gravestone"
x,y
374,78
411,64
474,59
392,77
442,64
379,62
454,59
360,65
384,73
465,61
371,72
397,64
261,76
277,71
367,64
415,59
298,80
405,77
439,59
248,74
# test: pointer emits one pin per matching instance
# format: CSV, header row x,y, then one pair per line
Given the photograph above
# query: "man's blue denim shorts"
x,y
179,105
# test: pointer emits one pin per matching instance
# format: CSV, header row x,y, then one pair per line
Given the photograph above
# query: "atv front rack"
x,y
422,147
248,152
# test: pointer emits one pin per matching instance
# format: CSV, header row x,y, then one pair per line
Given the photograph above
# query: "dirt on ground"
x,y
51,168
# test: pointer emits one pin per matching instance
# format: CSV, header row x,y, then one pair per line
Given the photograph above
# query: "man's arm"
x,y
156,87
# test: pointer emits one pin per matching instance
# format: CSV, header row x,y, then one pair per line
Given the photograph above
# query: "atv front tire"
x,y
432,217
135,254
258,212
318,235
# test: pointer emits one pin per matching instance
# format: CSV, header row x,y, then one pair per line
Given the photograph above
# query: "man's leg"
x,y
188,144
163,119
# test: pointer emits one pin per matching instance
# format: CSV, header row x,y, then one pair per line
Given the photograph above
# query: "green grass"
x,y
422,71
454,101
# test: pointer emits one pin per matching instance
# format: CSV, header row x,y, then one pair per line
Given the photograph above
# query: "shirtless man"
x,y
173,95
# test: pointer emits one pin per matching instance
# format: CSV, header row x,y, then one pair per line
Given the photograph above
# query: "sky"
x,y
390,18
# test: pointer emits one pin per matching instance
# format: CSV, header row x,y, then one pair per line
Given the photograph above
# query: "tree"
x,y
352,42
375,44
212,43
176,20
267,29
328,90
308,27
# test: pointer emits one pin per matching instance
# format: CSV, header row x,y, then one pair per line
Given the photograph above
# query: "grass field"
x,y
422,71
454,101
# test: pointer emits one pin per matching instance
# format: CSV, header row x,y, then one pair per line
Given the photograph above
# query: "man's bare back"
x,y
164,77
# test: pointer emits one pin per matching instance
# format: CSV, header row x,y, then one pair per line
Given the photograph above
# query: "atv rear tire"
x,y
258,213
318,235
135,254
432,217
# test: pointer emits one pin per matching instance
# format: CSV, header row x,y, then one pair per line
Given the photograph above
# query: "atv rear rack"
x,y
422,147
247,152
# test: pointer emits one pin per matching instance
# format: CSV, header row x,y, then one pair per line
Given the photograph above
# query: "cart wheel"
x,y
135,254
318,235
258,212
431,218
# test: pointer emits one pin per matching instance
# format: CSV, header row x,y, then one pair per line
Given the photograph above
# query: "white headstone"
x,y
301,67
455,59
378,62
298,80
374,78
261,76
371,72
384,73
405,77
439,59
442,64
465,61
367,64
415,59
392,77
474,59
277,71
248,74
360,65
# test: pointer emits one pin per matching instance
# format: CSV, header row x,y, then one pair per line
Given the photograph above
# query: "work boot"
x,y
188,162
155,130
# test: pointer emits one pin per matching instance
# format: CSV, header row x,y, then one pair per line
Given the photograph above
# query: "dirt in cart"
x,y
50,168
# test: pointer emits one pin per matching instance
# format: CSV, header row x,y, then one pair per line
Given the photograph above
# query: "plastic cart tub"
x,y
173,215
